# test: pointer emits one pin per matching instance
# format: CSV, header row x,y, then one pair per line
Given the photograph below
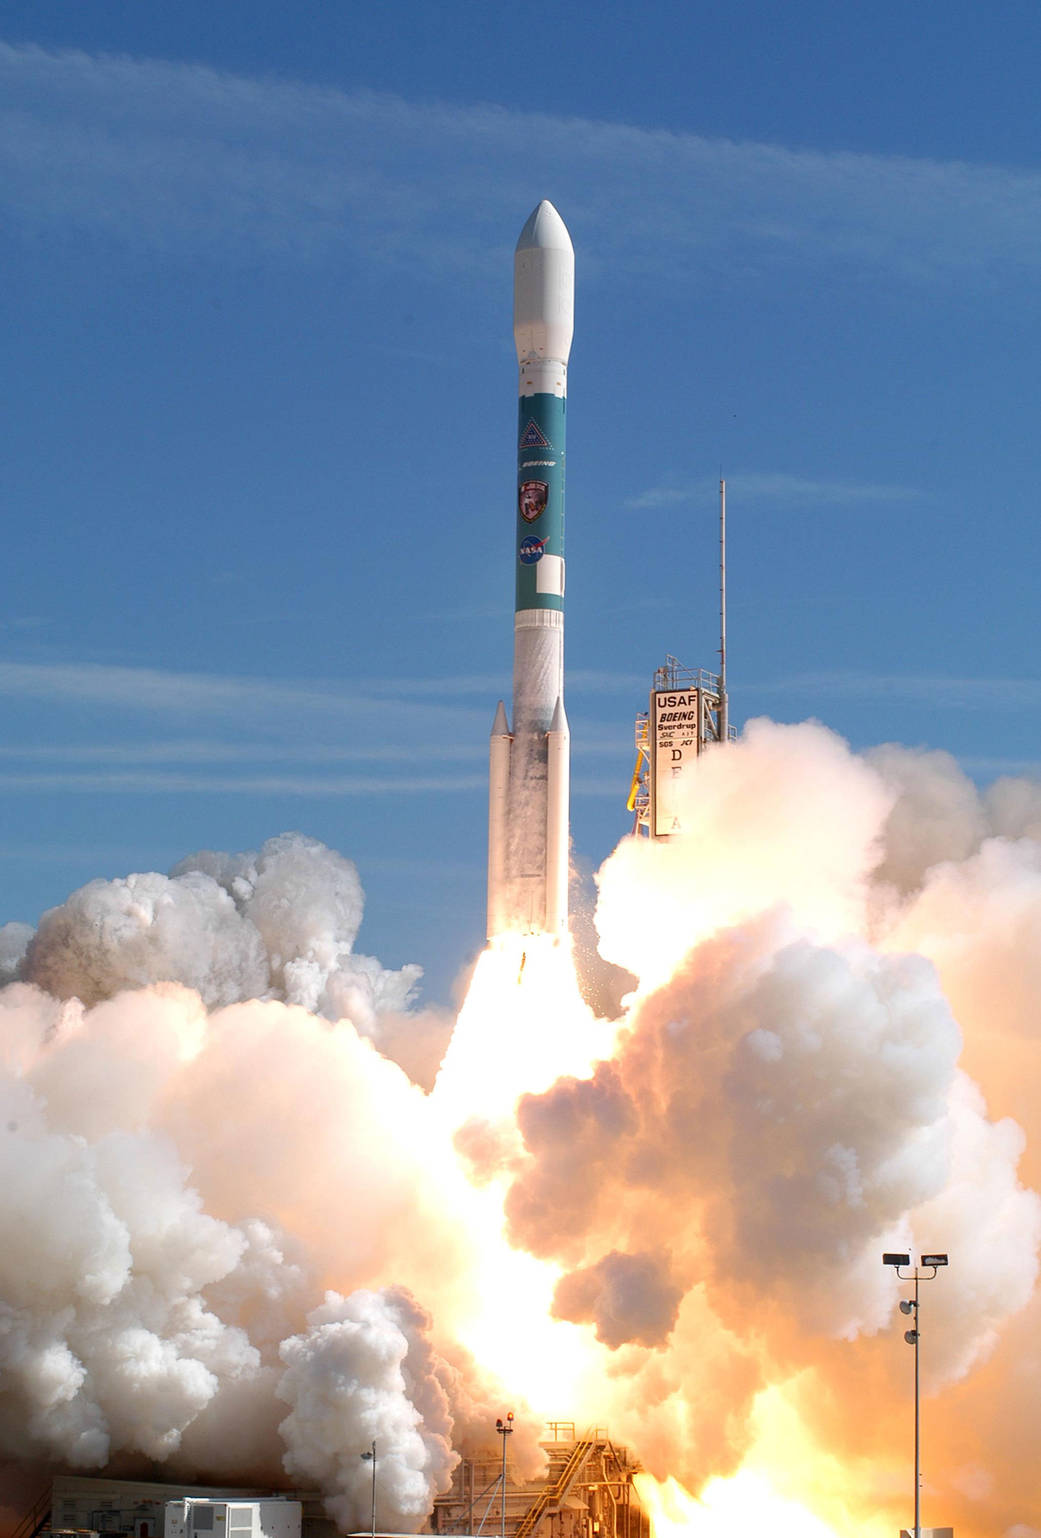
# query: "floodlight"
x,y
505,1429
924,1271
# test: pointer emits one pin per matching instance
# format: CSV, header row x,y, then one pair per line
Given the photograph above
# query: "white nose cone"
x,y
544,287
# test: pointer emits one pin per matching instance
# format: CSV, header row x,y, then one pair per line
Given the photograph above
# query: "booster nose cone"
x,y
545,230
544,287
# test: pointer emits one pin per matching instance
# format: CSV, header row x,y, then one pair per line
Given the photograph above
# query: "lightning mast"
x,y
724,712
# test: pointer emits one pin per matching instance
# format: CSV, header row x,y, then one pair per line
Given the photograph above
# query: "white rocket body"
x,y
529,782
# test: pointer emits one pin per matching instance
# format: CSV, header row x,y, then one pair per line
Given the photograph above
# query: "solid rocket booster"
x,y
529,767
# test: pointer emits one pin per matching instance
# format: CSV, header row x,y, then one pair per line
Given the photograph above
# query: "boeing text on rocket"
x,y
529,766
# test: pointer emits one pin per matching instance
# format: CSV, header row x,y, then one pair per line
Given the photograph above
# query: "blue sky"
x,y
259,400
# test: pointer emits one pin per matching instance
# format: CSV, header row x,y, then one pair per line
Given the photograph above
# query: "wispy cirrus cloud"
x,y
912,689
154,689
233,734
754,488
199,751
153,781
167,154
178,731
158,691
190,696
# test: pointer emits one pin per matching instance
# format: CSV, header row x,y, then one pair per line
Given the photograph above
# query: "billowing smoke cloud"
x,y
149,928
243,1237
795,1103
628,1298
277,924
364,1376
790,1097
14,942
141,1324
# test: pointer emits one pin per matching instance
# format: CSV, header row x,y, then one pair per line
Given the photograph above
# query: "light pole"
x,y
372,1454
925,1271
504,1428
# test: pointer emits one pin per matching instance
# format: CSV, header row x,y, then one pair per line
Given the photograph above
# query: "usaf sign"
x,y
675,734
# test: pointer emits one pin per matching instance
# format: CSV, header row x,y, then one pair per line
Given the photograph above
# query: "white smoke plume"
x,y
136,1324
243,1233
14,942
280,924
363,1376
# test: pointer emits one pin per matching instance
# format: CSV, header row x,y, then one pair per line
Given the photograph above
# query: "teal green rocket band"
x,y
540,502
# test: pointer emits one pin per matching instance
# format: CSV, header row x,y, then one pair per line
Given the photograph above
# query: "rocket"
x,y
529,767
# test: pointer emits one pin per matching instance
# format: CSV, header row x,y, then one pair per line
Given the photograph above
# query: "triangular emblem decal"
x,y
533,437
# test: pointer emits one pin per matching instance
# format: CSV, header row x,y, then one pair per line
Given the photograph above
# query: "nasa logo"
x,y
532,550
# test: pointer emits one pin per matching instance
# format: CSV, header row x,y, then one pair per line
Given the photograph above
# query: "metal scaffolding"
x,y
587,1492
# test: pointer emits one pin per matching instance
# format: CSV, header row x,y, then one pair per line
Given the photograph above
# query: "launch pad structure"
x,y
586,1492
689,711
687,714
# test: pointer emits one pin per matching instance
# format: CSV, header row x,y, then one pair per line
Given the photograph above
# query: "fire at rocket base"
x,y
529,767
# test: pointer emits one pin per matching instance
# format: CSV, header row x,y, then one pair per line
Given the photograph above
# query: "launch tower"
x,y
688,712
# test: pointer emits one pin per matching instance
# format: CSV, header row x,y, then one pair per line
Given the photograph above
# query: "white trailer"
x,y
194,1517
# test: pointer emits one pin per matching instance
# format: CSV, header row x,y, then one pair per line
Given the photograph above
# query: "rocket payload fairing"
x,y
530,766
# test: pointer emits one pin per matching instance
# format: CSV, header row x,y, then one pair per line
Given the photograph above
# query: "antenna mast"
x,y
724,713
